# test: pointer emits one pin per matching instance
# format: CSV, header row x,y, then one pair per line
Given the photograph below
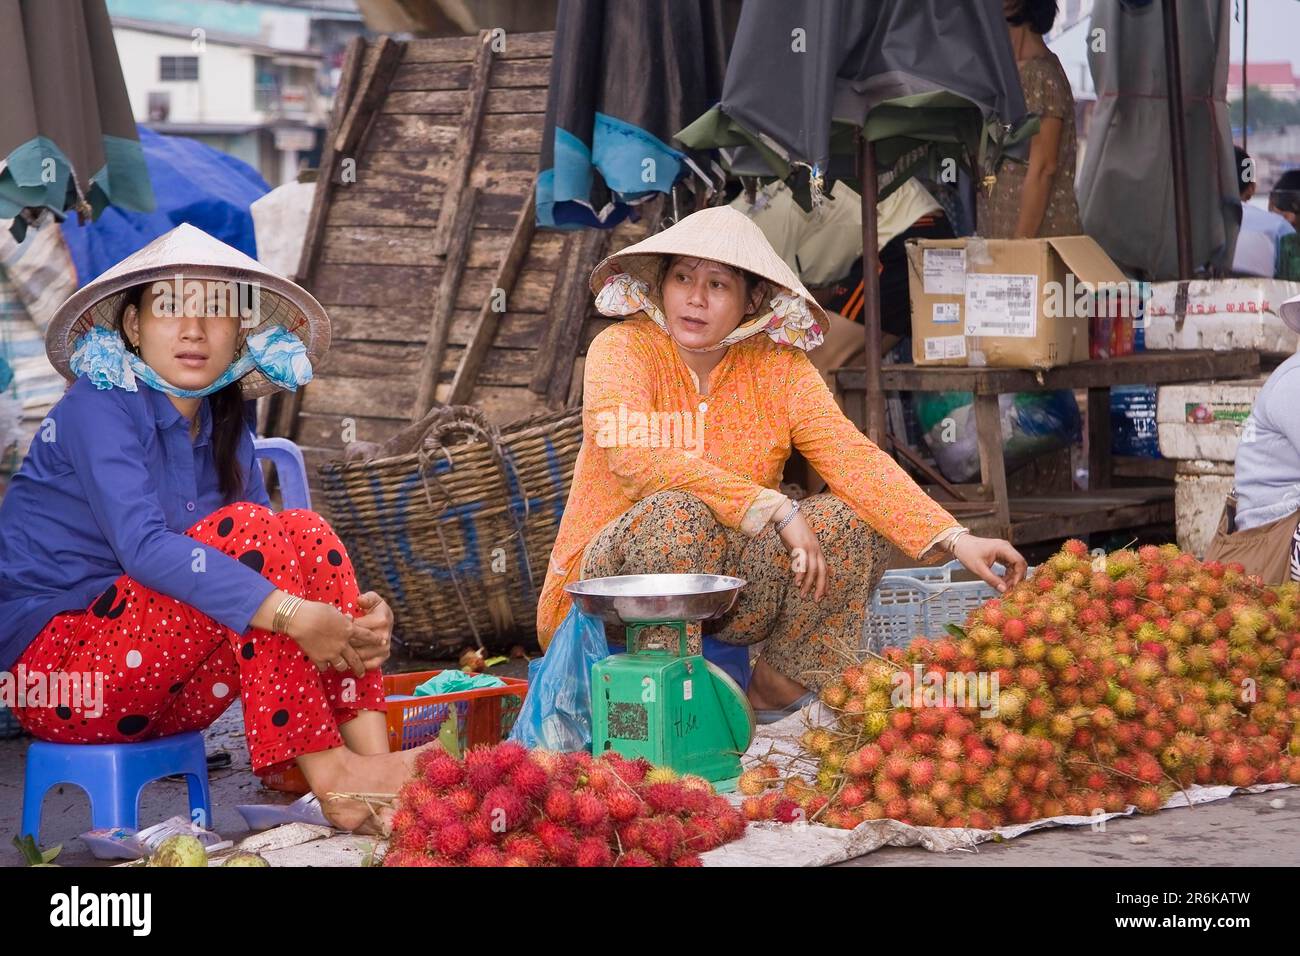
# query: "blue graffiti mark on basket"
x,y
467,566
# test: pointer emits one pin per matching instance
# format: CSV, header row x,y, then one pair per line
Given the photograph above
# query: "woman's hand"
x,y
325,635
978,556
375,630
806,558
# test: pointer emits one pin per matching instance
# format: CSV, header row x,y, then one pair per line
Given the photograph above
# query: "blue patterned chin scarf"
x,y
102,357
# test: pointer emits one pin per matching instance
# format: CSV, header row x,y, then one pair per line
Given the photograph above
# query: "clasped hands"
x,y
332,639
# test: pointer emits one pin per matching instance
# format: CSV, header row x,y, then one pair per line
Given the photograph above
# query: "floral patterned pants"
x,y
168,668
673,532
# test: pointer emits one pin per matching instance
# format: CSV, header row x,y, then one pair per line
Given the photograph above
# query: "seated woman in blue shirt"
x,y
137,546
1266,480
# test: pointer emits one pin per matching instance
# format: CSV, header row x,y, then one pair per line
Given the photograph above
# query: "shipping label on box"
x,y
944,271
945,347
946,313
999,304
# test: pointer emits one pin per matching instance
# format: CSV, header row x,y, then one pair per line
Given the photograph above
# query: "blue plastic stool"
x,y
289,468
113,775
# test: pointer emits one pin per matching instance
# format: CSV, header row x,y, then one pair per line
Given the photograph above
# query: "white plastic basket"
x,y
916,602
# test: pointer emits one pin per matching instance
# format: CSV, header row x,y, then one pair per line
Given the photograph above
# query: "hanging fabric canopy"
x,y
67,135
1126,185
922,79
624,77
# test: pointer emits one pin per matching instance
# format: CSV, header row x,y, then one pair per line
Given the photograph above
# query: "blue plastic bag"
x,y
556,713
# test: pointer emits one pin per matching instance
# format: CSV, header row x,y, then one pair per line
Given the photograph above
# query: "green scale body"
x,y
674,709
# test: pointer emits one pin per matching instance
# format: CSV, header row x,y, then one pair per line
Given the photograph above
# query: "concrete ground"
x,y
1244,830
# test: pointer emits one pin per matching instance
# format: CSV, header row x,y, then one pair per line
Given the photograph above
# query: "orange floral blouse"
x,y
647,428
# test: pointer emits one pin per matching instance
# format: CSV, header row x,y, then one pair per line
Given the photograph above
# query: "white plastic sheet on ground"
x,y
811,844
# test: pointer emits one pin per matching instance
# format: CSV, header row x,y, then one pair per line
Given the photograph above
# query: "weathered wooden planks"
x,y
419,133
471,122
458,240
384,241
503,285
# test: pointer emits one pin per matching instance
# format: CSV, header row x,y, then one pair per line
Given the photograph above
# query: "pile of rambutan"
x,y
1122,679
508,806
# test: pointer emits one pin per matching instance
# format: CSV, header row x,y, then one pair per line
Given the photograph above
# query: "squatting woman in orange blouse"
x,y
691,406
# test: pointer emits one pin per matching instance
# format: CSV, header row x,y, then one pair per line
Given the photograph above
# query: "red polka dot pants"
x,y
168,668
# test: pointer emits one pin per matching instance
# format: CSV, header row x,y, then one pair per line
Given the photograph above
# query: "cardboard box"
x,y
1007,303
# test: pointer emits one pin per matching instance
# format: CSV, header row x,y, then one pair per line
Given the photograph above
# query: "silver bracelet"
x,y
794,510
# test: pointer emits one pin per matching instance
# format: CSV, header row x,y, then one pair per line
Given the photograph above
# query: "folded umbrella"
x,y
624,78
922,79
67,136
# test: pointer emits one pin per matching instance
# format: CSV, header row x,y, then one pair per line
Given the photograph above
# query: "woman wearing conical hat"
x,y
691,407
137,546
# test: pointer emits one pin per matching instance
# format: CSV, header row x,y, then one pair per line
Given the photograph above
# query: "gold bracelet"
x,y
283,613
289,612
279,614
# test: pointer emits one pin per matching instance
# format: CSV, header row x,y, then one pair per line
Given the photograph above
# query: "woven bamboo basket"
x,y
457,532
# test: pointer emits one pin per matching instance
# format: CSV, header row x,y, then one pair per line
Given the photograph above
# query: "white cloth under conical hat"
x,y
191,253
720,233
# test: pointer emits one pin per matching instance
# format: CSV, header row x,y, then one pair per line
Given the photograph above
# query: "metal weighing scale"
x,y
673,708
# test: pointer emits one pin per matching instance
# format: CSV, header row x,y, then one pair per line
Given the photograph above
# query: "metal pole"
x,y
1245,57
1178,139
875,419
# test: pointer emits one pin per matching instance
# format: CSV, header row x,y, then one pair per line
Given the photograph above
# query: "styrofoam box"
x,y
1200,488
1202,420
1221,314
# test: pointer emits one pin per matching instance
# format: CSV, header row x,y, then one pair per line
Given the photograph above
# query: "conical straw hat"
x,y
720,233
190,253
1290,312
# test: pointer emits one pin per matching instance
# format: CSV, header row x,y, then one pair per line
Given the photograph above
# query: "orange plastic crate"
x,y
483,717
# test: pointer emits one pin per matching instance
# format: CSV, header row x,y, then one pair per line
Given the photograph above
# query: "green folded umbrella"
x,y
67,135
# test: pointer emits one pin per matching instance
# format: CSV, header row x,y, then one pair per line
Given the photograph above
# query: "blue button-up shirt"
x,y
109,486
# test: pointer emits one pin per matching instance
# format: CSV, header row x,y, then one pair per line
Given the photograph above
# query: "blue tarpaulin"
x,y
193,183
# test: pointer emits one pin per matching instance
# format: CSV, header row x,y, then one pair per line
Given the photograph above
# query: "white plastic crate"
x,y
915,602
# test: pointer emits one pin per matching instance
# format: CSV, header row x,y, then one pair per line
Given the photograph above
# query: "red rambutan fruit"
x,y
663,797
559,805
484,855
590,810
635,858
481,769
558,841
593,851
504,809
529,779
439,768
452,838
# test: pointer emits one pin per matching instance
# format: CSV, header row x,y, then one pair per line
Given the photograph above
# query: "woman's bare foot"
x,y
376,778
771,690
